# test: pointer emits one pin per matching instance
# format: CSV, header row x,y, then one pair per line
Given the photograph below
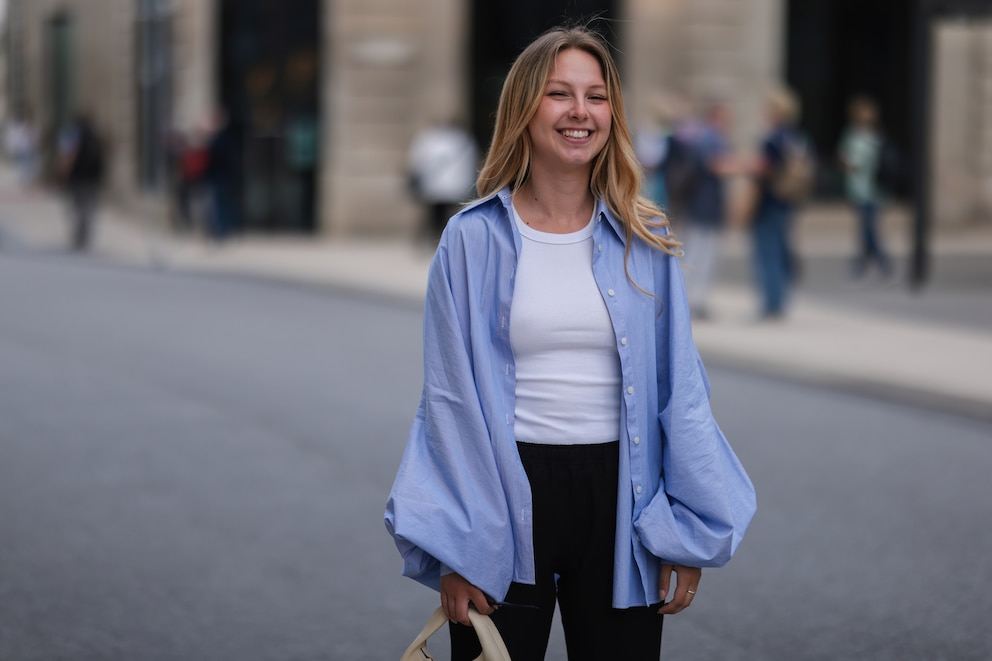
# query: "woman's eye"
x,y
557,93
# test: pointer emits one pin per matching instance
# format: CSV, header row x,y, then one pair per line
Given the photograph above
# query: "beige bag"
x,y
493,648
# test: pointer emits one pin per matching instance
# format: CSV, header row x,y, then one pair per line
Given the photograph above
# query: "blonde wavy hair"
x,y
616,173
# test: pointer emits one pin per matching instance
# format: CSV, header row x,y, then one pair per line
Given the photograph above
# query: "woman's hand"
x,y
687,582
456,593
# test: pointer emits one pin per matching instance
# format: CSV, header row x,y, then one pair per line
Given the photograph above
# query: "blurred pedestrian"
x,y
706,209
442,163
784,176
80,164
302,150
175,143
188,158
653,145
194,163
860,156
564,449
219,176
21,142
683,167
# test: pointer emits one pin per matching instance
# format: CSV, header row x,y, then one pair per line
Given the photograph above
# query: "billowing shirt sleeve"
x,y
705,500
447,505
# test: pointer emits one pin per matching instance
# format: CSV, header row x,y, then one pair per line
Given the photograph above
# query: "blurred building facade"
x,y
325,95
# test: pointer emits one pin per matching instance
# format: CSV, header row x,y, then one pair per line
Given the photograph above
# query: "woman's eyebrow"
x,y
555,81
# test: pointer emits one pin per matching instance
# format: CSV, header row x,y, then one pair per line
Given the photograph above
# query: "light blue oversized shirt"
x,y
461,496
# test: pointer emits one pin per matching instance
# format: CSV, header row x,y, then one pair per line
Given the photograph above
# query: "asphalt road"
x,y
195,468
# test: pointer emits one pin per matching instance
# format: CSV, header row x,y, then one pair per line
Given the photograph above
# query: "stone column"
x,y
760,67
984,132
960,109
112,95
652,62
102,73
389,66
197,41
704,49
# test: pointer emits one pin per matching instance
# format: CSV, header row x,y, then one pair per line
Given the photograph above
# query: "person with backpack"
x,y
80,167
860,156
219,173
682,167
784,173
706,203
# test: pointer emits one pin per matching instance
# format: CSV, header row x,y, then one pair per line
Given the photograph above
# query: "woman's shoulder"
x,y
482,205
477,222
481,214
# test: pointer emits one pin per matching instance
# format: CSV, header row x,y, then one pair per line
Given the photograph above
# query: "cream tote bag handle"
x,y
493,648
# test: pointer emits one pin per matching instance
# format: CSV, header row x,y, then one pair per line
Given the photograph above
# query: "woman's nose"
x,y
578,110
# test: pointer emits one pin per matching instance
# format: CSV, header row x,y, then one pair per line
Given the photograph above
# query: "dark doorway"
x,y
501,30
269,74
837,49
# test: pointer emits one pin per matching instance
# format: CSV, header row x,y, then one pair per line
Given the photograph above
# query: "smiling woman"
x,y
564,451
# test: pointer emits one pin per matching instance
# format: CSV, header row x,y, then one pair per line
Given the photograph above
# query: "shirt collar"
x,y
505,197
603,211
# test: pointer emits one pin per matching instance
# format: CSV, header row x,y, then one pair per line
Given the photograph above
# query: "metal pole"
x,y
919,270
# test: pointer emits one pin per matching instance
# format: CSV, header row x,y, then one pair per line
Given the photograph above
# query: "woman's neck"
x,y
561,204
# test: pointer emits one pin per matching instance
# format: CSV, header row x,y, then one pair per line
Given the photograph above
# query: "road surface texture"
x,y
196,468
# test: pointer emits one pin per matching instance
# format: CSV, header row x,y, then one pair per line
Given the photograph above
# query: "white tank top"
x,y
564,347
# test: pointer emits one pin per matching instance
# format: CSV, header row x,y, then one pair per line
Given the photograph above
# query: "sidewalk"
x,y
930,364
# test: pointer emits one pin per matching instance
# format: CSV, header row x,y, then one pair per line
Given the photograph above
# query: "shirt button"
x,y
600,247
637,440
610,292
630,390
638,489
623,341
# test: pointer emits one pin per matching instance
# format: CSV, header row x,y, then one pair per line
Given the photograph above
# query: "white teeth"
x,y
575,134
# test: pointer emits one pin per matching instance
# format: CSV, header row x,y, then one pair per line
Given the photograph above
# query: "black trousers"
x,y
574,491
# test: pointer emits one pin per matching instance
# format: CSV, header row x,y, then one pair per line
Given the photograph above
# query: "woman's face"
x,y
573,121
